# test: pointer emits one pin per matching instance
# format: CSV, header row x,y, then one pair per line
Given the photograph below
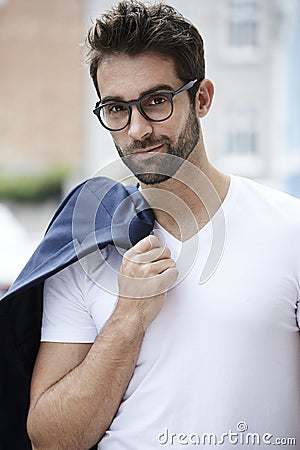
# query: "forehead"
x,y
128,76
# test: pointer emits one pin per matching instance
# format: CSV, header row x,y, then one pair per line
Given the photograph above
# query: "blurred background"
x,y
50,140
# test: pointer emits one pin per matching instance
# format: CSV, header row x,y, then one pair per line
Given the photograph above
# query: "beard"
x,y
160,167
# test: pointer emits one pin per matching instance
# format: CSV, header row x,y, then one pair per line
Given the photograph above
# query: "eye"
x,y
156,100
115,108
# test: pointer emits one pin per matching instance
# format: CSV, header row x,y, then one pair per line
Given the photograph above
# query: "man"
x,y
140,350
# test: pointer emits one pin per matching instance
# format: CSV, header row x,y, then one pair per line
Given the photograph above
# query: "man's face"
x,y
145,145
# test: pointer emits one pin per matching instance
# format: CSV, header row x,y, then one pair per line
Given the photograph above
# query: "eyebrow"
x,y
158,88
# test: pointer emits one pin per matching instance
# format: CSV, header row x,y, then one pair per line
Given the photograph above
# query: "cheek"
x,y
181,115
174,126
119,139
177,126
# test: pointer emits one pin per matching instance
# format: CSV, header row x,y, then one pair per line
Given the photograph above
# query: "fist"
x,y
146,273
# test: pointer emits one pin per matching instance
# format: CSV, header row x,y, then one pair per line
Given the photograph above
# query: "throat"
x,y
183,226
183,211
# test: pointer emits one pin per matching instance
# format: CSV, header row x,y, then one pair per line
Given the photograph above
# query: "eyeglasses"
x,y
157,107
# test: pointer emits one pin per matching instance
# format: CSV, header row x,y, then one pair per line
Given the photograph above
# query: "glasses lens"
x,y
156,106
114,115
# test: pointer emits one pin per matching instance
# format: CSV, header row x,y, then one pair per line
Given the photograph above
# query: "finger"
x,y
152,269
170,276
150,286
160,283
144,245
152,255
161,266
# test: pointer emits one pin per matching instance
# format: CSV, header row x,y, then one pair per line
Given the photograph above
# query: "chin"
x,y
152,178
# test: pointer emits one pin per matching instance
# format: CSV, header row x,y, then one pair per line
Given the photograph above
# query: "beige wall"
x,y
46,96
40,83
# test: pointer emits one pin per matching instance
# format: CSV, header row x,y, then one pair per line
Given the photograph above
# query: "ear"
x,y
204,97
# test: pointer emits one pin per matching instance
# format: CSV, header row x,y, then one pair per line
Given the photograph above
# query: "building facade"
x,y
252,52
41,80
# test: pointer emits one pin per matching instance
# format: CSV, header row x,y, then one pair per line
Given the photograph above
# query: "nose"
x,y
139,127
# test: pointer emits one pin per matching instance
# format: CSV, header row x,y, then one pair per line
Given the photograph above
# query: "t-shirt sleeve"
x,y
65,316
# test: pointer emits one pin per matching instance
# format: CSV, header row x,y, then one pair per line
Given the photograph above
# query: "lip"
x,y
148,150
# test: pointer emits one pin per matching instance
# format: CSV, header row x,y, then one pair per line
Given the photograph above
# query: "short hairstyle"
x,y
132,28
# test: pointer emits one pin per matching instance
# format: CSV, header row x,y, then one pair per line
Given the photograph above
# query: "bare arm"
x,y
77,388
71,409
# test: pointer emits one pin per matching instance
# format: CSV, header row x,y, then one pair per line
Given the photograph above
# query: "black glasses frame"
x,y
127,105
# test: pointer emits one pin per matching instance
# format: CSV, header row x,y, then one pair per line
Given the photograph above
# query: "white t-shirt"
x,y
220,364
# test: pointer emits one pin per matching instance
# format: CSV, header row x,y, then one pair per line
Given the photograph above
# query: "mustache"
x,y
148,142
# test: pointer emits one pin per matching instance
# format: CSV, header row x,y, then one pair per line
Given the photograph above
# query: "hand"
x,y
146,273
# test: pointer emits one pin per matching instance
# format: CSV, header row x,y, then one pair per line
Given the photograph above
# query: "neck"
x,y
186,202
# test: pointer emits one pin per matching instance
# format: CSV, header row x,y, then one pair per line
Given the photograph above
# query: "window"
x,y
242,29
241,141
242,134
242,24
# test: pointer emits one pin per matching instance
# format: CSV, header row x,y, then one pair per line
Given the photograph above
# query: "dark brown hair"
x,y
132,27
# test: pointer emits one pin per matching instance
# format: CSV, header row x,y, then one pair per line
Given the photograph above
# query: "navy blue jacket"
x,y
96,213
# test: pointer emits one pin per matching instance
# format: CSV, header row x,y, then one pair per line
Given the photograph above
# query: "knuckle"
x,y
141,258
153,239
146,244
167,252
145,270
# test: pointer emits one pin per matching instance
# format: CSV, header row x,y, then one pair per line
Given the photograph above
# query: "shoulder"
x,y
93,266
267,201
